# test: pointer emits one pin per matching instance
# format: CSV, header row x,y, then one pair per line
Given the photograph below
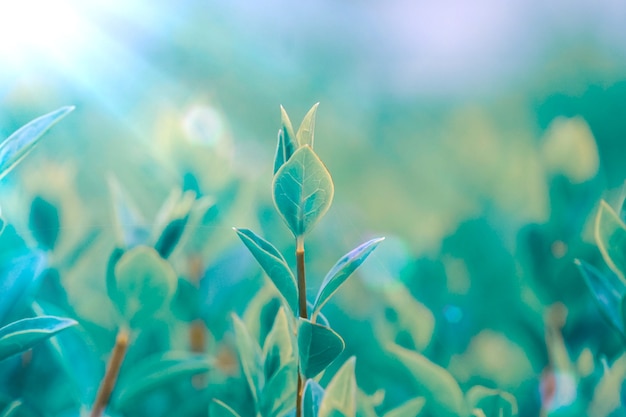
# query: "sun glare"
x,y
34,32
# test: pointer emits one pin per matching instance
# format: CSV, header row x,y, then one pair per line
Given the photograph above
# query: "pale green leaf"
x,y
318,347
22,335
493,403
610,233
218,409
274,265
306,131
278,346
341,391
12,409
341,271
443,395
412,408
302,190
279,393
312,398
250,357
22,141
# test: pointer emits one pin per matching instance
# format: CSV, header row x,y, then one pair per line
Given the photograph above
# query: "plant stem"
x,y
110,376
303,310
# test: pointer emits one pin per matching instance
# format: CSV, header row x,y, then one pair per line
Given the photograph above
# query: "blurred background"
x,y
477,137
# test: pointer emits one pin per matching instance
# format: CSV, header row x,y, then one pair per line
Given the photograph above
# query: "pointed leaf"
x,y
443,395
278,346
218,409
171,236
20,143
18,276
607,293
43,221
312,398
145,283
155,372
279,393
306,131
412,407
340,393
303,190
610,234
279,157
290,141
342,271
22,335
318,347
250,357
494,403
274,266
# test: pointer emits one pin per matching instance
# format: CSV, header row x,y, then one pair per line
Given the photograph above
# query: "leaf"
x,y
12,409
155,372
302,190
494,403
250,357
318,347
274,266
607,293
171,236
131,228
287,141
18,275
43,221
312,398
186,301
412,407
443,394
278,347
22,141
145,282
610,233
22,335
341,271
111,280
306,131
279,393
218,409
341,391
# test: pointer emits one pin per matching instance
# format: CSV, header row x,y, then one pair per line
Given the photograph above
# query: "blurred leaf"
x,y
318,347
607,293
412,407
278,347
312,398
279,393
186,301
341,271
23,334
443,394
366,404
43,221
610,234
12,409
303,190
131,228
111,280
20,143
340,394
274,266
306,131
219,409
494,403
171,236
156,372
250,357
18,275
2,225
145,282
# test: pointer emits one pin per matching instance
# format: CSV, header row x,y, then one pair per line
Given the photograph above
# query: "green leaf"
x,y
279,393
494,403
303,190
218,409
312,398
171,236
287,141
341,392
607,293
145,282
20,143
278,346
412,407
318,346
22,335
443,395
610,234
155,372
250,358
274,266
186,301
12,409
306,131
43,221
342,271
111,280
